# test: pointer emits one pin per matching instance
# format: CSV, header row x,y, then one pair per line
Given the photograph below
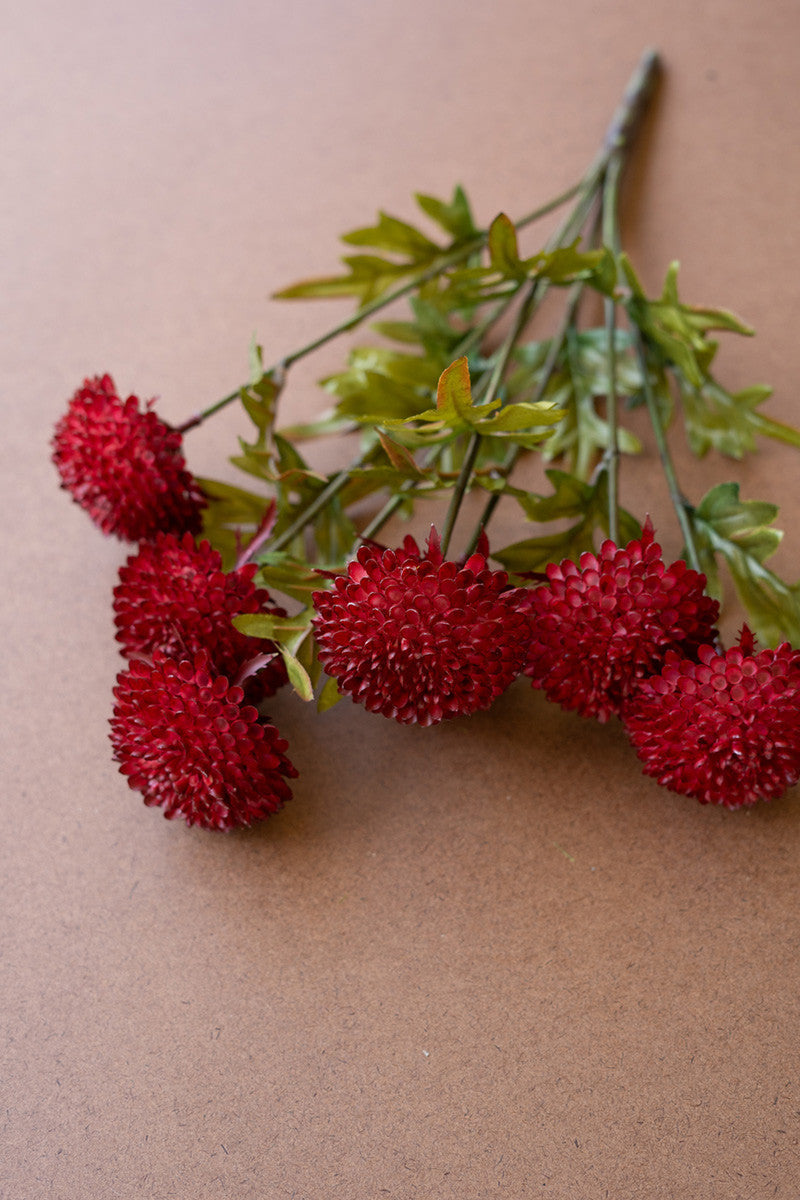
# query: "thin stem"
x,y
464,476
334,486
679,501
549,366
611,240
501,362
393,503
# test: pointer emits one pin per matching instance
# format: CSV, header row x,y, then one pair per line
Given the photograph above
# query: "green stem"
x,y
459,491
393,503
521,319
679,501
611,240
334,486
549,366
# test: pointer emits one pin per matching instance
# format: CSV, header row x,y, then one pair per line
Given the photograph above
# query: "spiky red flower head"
x,y
174,596
185,740
419,638
726,729
124,465
602,625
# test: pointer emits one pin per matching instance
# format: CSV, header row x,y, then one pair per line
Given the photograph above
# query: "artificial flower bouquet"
x,y
234,593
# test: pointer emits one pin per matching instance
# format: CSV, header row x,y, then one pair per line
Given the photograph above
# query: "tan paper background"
x,y
484,959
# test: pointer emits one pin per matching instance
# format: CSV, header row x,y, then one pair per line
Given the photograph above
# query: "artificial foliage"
x,y
235,590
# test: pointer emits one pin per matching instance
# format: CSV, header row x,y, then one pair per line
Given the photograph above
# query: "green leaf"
x,y
298,675
329,695
740,531
579,379
503,250
397,331
231,504
281,572
399,456
572,498
281,630
455,218
396,236
308,657
259,401
368,277
454,394
566,264
728,422
374,398
676,329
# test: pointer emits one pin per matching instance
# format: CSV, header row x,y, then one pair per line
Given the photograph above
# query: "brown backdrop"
x,y
485,959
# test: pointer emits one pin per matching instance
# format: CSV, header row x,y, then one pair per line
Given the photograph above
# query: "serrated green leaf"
x,y
745,522
571,498
677,330
513,418
740,531
728,422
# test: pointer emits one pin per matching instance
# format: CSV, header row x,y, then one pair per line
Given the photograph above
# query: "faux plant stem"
x,y
679,502
550,364
610,229
316,506
501,362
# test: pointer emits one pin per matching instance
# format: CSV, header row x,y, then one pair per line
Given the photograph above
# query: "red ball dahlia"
x,y
418,638
604,624
726,729
185,740
124,465
174,596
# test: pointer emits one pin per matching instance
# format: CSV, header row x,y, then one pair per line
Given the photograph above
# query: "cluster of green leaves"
x,y
585,505
432,397
474,283
577,382
740,533
727,531
412,252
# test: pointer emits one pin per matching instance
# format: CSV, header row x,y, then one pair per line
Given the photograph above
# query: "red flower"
x,y
418,638
124,465
725,730
174,596
606,623
185,741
